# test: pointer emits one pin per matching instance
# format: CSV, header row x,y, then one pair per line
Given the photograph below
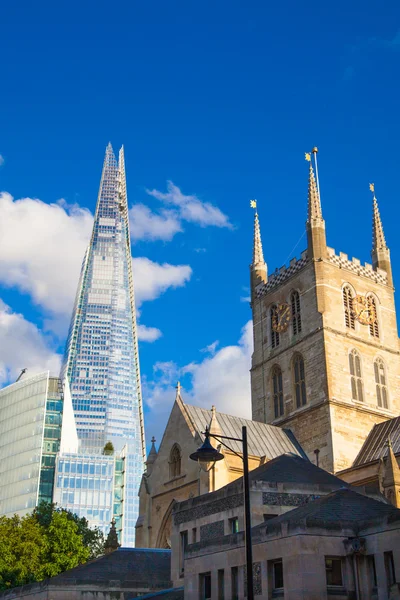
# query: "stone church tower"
x,y
326,349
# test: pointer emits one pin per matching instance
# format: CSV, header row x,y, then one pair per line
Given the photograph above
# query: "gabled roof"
x,y
263,440
341,508
375,446
291,468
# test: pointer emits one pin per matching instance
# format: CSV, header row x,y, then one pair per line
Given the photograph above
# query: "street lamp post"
x,y
207,455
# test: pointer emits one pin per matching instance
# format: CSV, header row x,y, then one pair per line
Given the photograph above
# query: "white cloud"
x,y
153,279
1,160
23,346
147,225
211,348
222,379
41,251
191,208
148,334
245,299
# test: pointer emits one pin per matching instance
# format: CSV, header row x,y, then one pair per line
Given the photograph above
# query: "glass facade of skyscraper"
x,y
91,486
31,414
101,360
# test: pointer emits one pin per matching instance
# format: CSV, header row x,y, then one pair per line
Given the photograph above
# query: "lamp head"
x,y
206,455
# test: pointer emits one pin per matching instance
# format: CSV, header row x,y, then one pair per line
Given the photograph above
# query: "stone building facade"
x,y
326,349
172,477
341,545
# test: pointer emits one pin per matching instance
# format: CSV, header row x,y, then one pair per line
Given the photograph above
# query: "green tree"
x,y
92,538
22,545
108,449
43,544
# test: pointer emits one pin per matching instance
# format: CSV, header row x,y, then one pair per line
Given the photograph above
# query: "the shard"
x,y
101,359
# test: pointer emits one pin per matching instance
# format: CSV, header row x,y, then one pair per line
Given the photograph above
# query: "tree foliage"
x,y
108,449
43,544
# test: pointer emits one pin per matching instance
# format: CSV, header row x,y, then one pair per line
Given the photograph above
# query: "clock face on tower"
x,y
363,310
281,317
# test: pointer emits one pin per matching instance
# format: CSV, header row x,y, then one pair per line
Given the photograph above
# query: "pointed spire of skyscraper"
x,y
315,223
380,252
258,267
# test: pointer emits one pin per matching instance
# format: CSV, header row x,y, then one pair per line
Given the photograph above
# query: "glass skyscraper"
x,y
101,360
36,422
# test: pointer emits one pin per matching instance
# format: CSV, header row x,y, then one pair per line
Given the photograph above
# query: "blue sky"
x,y
220,98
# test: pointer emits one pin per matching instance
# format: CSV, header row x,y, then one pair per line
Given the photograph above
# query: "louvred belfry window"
x,y
277,390
373,327
296,315
299,381
348,309
380,381
356,376
274,334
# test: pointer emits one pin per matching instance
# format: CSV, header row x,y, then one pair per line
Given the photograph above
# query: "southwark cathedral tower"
x,y
326,349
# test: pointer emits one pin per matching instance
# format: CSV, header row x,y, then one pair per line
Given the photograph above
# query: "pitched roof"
x,y
263,440
341,508
375,446
130,566
291,468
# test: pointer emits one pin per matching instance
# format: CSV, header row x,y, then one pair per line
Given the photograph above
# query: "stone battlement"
x,y
341,260
280,275
354,265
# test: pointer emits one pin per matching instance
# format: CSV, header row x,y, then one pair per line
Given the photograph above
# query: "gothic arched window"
x,y
274,334
380,381
299,381
348,309
277,390
175,461
296,316
356,376
373,327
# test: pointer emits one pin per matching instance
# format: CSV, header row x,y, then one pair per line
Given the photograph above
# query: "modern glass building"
x,y
101,359
32,412
93,487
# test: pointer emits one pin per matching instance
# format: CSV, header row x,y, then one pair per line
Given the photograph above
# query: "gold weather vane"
x,y
372,188
253,204
307,156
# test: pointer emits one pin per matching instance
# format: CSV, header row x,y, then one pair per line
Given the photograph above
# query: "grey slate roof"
x,y
375,446
291,468
263,440
341,508
130,566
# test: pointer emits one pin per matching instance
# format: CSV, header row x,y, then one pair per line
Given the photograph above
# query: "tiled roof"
x,y
129,566
290,468
375,446
262,439
343,507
